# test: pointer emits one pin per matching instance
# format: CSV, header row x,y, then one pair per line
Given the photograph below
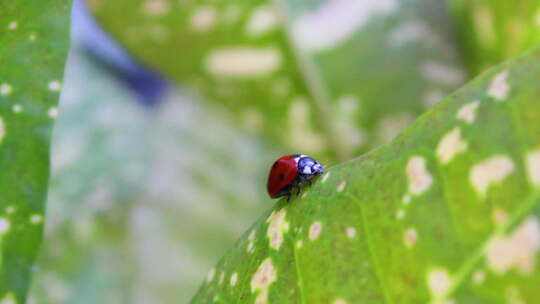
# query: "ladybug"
x,y
289,172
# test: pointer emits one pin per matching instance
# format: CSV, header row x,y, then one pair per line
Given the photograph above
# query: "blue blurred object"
x,y
149,86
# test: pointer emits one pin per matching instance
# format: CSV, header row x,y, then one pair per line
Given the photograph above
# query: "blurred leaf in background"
x,y
33,49
492,31
442,214
142,200
331,78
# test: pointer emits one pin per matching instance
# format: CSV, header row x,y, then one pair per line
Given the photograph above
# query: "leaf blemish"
x,y
351,232
243,62
234,279
36,219
203,19
499,87
4,225
438,281
5,89
264,19
410,237
341,186
262,279
490,171
315,230
467,113
54,86
517,250
419,178
278,225
451,145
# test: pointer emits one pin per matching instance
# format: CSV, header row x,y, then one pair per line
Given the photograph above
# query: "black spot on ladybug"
x,y
281,176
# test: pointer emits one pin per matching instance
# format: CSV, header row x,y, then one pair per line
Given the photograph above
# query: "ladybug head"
x,y
309,166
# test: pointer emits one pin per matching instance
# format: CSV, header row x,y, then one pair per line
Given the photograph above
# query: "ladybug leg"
x,y
310,182
298,190
288,197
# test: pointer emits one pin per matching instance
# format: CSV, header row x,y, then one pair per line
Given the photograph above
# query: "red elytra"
x,y
289,172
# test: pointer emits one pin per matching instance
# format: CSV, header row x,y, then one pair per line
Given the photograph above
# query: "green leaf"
x,y
34,43
324,77
448,211
490,32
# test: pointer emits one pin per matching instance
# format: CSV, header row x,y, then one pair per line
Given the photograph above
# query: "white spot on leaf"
x,y
438,281
419,178
262,279
53,112
4,225
264,19
341,186
351,232
203,19
156,7
467,112
17,108
334,22
54,86
409,237
243,62
450,145
234,279
533,167
499,87
277,226
299,244
339,301
13,25
400,214
490,171
517,250
36,219
315,230
5,89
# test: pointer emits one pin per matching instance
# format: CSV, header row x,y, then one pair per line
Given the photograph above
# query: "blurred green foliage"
x,y
492,31
33,48
328,80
